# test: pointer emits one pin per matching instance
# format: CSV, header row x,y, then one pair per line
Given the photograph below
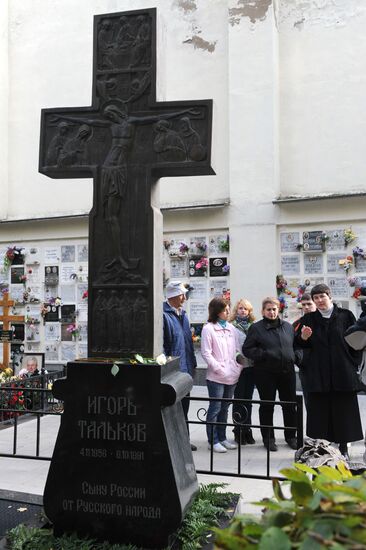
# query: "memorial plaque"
x,y
290,242
335,239
360,264
333,263
68,313
16,274
217,266
313,241
122,454
6,335
196,268
313,263
290,265
52,313
339,287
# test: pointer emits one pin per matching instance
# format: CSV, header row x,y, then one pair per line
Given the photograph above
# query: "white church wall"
x,y
53,68
322,89
4,83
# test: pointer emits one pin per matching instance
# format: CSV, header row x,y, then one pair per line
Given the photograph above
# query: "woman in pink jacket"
x,y
219,347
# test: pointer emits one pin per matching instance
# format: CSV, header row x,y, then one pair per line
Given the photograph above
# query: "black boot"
x,y
292,443
238,440
343,448
249,437
272,445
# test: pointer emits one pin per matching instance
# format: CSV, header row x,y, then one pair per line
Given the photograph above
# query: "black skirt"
x,y
334,416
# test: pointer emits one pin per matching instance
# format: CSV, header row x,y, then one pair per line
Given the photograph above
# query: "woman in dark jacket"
x,y
329,367
269,344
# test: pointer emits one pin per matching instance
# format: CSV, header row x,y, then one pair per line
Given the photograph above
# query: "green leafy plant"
x,y
209,506
326,509
33,538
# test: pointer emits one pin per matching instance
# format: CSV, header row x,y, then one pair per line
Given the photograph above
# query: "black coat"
x,y
271,347
328,363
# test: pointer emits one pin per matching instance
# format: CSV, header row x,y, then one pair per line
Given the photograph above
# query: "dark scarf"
x,y
273,323
242,323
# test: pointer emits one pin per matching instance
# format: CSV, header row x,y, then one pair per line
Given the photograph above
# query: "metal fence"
x,y
241,423
40,402
23,399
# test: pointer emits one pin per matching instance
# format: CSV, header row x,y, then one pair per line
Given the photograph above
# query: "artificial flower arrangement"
x,y
201,246
224,245
4,289
31,321
183,248
346,263
358,252
349,236
354,281
281,284
300,292
283,304
10,255
12,398
73,329
359,286
202,264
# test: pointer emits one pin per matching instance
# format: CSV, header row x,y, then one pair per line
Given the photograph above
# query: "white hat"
x,y
175,288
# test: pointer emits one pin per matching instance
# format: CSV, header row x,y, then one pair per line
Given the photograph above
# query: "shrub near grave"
x,y
326,509
211,507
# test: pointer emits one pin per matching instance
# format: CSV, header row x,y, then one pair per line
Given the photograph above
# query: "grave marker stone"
x,y
122,468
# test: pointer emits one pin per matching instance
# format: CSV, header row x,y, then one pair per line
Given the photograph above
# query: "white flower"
x,y
161,359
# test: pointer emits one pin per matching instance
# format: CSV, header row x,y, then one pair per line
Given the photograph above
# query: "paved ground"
x,y
29,476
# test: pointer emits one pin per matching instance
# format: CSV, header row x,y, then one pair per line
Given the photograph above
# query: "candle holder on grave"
x,y
122,468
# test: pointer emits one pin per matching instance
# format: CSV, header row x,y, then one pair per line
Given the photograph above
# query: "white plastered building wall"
x,y
288,84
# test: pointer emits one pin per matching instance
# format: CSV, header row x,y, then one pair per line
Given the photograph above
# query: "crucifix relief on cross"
x,y
125,141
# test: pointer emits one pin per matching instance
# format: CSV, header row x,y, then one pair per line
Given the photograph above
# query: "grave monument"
x,y
122,468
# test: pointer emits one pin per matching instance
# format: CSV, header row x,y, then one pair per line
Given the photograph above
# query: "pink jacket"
x,y
219,347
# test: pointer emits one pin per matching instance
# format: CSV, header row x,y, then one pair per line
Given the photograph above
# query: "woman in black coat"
x,y
329,367
270,345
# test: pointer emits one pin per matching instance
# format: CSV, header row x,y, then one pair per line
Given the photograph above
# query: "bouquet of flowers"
x,y
202,264
281,284
346,263
10,255
224,245
183,248
73,329
349,236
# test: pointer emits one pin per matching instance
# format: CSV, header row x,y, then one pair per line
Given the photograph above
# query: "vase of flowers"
x,y
349,236
224,245
74,330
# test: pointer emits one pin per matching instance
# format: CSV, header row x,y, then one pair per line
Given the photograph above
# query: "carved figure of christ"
x,y
125,226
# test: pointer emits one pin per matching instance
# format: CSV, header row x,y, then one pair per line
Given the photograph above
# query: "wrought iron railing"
x,y
41,394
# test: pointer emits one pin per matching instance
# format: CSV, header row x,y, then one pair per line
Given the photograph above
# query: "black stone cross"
x,y
125,141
